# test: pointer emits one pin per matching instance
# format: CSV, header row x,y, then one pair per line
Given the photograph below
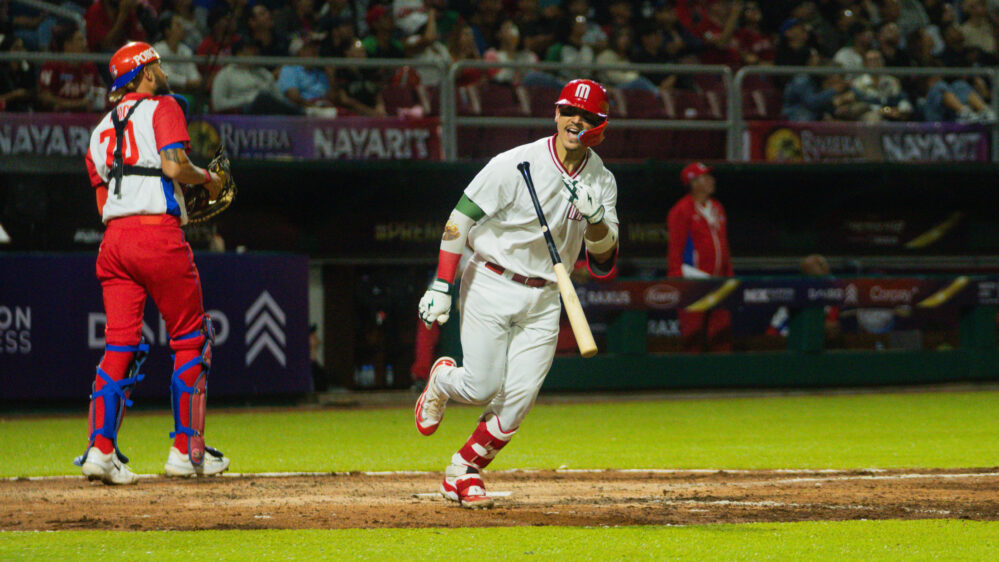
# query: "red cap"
x,y
586,95
375,13
691,171
129,60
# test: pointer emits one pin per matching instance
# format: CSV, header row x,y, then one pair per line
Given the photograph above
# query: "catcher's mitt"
x,y
200,207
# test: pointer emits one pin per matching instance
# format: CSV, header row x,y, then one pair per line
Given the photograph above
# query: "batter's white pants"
x,y
508,336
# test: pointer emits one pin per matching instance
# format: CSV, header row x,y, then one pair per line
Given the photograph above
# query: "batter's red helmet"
x,y
589,96
693,170
128,61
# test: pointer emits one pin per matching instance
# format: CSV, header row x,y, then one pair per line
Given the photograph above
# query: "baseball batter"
x,y
509,300
136,159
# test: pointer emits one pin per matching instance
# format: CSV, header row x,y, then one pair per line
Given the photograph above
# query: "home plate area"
x,y
544,497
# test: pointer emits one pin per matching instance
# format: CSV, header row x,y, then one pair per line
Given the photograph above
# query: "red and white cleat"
x,y
430,405
464,485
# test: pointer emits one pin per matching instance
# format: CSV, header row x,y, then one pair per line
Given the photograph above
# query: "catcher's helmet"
x,y
129,60
589,96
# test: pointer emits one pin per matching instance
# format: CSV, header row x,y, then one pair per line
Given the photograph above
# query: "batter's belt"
x,y
516,277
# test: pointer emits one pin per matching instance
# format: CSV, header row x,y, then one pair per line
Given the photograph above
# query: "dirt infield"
x,y
536,498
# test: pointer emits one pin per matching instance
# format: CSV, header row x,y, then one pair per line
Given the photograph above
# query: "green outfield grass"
x,y
850,540
932,429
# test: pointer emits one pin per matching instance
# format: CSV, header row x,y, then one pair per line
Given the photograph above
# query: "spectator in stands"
x,y
953,101
942,15
621,15
509,50
260,27
17,78
715,27
822,33
359,89
890,42
183,77
70,86
34,25
851,56
194,29
382,44
249,89
698,249
921,46
424,45
537,32
884,95
618,53
754,45
793,47
112,23
594,36
678,45
813,98
953,53
650,50
485,22
296,18
909,15
218,43
571,49
461,46
307,87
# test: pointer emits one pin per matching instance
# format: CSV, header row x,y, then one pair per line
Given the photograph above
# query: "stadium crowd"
x,y
852,34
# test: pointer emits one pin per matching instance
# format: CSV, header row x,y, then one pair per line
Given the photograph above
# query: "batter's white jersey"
x,y
510,235
156,124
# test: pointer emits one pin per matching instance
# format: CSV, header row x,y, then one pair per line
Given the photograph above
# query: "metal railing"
x,y
733,121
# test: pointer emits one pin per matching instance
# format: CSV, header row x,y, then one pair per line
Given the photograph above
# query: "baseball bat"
x,y
574,310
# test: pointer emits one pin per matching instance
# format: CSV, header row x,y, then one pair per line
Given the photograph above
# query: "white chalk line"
x,y
831,472
770,503
491,493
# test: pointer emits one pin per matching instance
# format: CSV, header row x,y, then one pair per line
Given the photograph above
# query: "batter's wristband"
x,y
208,176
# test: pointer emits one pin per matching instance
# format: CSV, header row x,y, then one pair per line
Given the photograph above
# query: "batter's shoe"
x,y
430,405
179,464
464,485
107,468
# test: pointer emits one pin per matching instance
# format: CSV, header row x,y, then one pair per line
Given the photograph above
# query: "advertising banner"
x,y
245,136
52,327
701,295
859,142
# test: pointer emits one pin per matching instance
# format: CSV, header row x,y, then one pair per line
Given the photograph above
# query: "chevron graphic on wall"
x,y
265,325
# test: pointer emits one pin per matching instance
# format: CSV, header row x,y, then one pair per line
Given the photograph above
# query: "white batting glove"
x,y
435,306
584,198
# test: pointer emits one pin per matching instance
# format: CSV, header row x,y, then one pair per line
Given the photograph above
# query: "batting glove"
x,y
435,306
584,198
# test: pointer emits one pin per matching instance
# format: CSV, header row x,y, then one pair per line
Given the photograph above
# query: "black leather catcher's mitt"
x,y
200,207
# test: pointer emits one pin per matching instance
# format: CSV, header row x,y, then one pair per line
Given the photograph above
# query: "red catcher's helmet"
x,y
693,170
128,61
588,96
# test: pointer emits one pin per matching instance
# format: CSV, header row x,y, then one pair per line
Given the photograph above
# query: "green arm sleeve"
x,y
468,208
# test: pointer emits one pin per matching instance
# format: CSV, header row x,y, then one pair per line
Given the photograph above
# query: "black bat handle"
x,y
525,170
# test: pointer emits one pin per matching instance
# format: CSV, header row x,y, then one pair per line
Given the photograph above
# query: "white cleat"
x,y
430,406
465,486
179,464
107,468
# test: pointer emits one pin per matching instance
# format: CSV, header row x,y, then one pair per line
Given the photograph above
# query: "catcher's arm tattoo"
x,y
178,167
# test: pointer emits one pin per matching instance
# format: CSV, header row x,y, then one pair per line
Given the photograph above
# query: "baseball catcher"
x,y
201,207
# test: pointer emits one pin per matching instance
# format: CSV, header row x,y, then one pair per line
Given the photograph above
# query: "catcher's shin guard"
x,y
193,396
114,397
487,440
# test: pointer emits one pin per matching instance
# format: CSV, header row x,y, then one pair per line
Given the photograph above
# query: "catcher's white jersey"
x,y
156,124
510,235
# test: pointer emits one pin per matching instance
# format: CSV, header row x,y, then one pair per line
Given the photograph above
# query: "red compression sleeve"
x,y
447,266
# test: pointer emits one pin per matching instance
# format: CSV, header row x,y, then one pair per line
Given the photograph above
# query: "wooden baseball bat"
x,y
574,310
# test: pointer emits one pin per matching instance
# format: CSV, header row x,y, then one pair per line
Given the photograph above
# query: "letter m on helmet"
x,y
583,90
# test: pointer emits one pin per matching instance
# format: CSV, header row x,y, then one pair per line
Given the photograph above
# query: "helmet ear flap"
x,y
594,136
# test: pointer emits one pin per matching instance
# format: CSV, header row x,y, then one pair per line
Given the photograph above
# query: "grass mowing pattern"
x,y
941,429
849,540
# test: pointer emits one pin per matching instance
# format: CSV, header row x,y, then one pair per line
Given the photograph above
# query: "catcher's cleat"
x,y
179,464
464,485
430,405
107,468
